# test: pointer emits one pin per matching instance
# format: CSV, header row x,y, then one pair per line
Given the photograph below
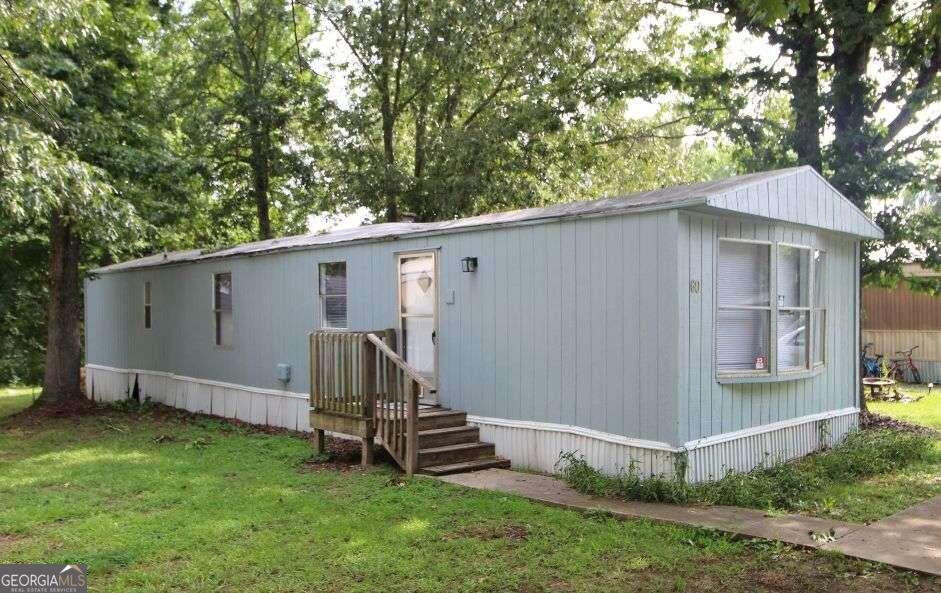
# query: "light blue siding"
x,y
569,322
587,321
712,408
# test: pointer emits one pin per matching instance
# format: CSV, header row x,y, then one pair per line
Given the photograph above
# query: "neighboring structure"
x,y
895,320
709,328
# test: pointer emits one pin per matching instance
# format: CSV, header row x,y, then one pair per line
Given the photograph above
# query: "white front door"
x,y
418,308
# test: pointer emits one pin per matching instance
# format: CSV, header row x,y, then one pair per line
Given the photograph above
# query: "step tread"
x,y
439,412
456,447
445,430
466,466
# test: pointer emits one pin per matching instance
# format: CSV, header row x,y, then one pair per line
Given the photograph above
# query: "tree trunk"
x,y
261,175
805,90
63,340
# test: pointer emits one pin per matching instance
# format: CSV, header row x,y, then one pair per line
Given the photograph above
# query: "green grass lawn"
x,y
14,399
883,495
926,411
163,501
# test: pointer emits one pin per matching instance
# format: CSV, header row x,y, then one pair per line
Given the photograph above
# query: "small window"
x,y
222,309
147,318
333,295
767,324
818,320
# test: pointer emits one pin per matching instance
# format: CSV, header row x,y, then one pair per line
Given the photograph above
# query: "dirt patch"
x,y
488,533
870,421
7,541
341,455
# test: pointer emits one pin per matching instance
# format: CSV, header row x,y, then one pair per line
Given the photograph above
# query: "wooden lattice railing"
x,y
358,380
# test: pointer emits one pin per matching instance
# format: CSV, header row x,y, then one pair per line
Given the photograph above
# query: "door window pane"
x,y
742,339
792,340
793,276
417,278
744,274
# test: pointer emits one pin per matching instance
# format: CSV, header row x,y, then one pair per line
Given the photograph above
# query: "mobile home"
x,y
697,329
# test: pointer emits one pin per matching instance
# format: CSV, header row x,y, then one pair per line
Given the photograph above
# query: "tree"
x,y
880,125
251,107
81,147
460,108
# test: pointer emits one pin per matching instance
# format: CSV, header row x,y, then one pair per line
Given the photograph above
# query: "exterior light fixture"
x,y
469,264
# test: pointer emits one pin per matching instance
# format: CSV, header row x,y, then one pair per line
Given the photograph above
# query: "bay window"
x,y
769,305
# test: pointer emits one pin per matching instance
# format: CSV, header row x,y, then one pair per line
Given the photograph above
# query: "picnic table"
x,y
877,386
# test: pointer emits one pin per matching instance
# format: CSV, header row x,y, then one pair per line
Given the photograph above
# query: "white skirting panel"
x,y
265,407
537,445
528,445
713,457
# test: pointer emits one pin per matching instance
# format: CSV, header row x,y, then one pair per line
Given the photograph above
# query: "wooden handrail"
x,y
357,374
408,369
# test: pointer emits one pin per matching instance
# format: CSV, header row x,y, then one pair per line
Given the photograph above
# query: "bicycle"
x,y
900,365
872,365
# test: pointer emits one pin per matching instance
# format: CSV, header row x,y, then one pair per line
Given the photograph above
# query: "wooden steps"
x,y
448,445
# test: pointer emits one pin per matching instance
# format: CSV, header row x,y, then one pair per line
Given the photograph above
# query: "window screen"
x,y
222,309
333,295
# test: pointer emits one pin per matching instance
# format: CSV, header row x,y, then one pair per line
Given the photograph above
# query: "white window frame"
x,y
216,310
822,307
148,309
323,297
773,373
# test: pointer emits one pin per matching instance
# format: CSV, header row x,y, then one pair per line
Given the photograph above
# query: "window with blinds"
x,y
743,323
771,309
222,309
147,318
333,295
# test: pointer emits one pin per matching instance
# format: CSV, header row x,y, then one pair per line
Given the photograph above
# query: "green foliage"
x,y
786,486
251,112
460,109
850,93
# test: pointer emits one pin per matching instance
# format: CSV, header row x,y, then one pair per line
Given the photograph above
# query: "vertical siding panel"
x,y
669,328
711,402
614,309
570,321
631,337
595,316
504,340
584,336
554,350
649,330
683,393
540,321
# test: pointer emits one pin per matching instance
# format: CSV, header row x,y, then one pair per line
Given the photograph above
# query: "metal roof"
x,y
671,197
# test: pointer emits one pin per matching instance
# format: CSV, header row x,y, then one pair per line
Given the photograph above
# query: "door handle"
x,y
434,337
